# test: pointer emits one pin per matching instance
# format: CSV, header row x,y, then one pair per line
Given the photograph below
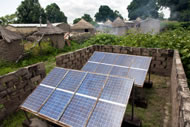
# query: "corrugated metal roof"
x,y
32,25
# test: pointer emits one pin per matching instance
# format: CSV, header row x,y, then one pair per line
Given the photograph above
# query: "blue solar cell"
x,y
72,80
119,71
76,114
97,56
37,98
92,85
124,60
141,62
110,58
117,90
90,67
103,69
54,77
55,105
138,75
106,115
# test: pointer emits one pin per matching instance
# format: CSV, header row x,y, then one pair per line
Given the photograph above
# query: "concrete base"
x,y
148,84
127,122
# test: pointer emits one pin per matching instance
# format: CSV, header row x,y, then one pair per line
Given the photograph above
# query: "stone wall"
x,y
161,58
16,86
180,94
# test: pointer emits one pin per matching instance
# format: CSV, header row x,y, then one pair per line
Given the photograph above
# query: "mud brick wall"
x,y
180,94
16,86
76,59
161,58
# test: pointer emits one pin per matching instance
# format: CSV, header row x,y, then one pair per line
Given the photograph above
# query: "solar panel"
x,y
37,98
92,85
106,115
97,57
124,60
120,71
135,67
54,77
109,58
77,96
117,90
103,69
77,112
138,75
90,67
55,105
141,62
72,80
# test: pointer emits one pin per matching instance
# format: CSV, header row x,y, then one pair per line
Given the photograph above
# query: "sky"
x,y
75,8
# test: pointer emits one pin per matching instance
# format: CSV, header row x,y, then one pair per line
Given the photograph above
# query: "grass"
x,y
157,97
14,120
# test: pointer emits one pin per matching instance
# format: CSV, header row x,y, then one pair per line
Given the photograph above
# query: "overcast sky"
x,y
74,8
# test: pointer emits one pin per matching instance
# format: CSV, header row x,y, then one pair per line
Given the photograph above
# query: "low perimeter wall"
x,y
180,94
16,86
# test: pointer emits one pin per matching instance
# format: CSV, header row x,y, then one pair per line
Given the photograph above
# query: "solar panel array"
x,y
131,66
78,98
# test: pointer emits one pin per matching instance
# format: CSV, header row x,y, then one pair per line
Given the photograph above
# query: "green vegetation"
x,y
143,9
105,13
86,17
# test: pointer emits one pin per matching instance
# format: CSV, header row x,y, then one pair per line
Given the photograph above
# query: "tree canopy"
x,y
86,17
105,13
76,20
143,9
29,11
54,14
7,19
180,9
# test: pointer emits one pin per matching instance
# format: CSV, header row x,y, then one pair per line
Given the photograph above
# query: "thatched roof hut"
x,y
9,36
118,23
83,26
108,23
11,47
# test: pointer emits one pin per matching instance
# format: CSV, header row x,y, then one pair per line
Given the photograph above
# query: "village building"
x,y
11,47
119,27
52,34
83,26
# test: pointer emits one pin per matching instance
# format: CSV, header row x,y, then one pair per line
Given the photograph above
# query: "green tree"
x,y
54,14
105,13
143,9
87,17
76,20
180,9
7,19
30,11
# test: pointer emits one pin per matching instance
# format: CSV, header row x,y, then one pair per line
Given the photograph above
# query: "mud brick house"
x,y
11,47
52,33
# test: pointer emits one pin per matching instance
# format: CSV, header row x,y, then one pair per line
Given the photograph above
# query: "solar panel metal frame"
x,y
58,122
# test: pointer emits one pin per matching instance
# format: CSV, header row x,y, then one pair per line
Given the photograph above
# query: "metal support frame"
x,y
133,98
149,73
27,118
